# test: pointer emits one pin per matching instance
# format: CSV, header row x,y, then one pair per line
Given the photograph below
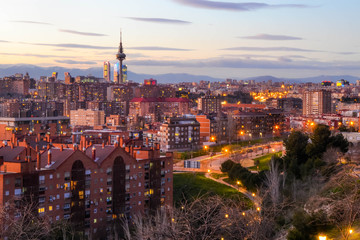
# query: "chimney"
x,y
75,146
38,161
28,159
157,146
134,154
61,148
121,142
116,144
93,152
84,149
18,157
48,147
28,149
73,138
12,145
37,148
49,157
38,137
13,138
103,144
147,141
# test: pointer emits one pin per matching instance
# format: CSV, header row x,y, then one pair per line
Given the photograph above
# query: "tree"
x,y
338,141
204,219
320,140
20,220
296,154
227,166
273,181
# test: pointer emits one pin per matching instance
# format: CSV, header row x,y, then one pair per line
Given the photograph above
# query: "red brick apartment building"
x,y
92,187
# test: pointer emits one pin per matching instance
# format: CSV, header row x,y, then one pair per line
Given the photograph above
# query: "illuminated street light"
x,y
253,194
243,213
258,209
226,215
351,231
209,170
322,237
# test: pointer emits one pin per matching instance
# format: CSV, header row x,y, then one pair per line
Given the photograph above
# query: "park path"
x,y
240,189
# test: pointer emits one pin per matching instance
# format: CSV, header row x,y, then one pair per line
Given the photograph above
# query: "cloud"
x,y
280,63
346,53
258,56
160,20
270,49
4,41
233,6
70,45
82,33
75,62
32,22
30,55
272,37
155,48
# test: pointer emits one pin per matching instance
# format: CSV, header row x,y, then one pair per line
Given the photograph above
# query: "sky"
x,y
223,39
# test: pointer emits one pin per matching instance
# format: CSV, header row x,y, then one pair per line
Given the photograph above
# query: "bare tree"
x,y
344,203
202,219
20,220
273,182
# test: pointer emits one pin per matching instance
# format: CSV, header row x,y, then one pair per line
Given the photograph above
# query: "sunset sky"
x,y
224,39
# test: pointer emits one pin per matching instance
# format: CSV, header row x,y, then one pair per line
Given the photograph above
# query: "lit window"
x,y
50,208
41,210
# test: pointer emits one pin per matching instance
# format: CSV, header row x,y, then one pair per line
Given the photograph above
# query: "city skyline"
x,y
216,38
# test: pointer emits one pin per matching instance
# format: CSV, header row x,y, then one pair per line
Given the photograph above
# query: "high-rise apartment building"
x,y
209,104
90,187
180,134
107,73
82,117
316,102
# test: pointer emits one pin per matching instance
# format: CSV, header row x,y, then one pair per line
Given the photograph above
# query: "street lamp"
x,y
322,237
351,231
238,183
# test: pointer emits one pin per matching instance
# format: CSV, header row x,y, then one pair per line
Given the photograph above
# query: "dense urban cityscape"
x,y
109,156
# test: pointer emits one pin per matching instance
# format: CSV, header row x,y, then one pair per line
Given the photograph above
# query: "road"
x,y
244,156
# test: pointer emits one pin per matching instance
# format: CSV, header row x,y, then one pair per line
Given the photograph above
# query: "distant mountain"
x,y
36,72
316,79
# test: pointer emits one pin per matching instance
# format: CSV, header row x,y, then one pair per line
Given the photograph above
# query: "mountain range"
x,y
36,72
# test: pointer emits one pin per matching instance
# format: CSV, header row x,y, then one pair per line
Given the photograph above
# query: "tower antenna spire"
x,y
120,56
